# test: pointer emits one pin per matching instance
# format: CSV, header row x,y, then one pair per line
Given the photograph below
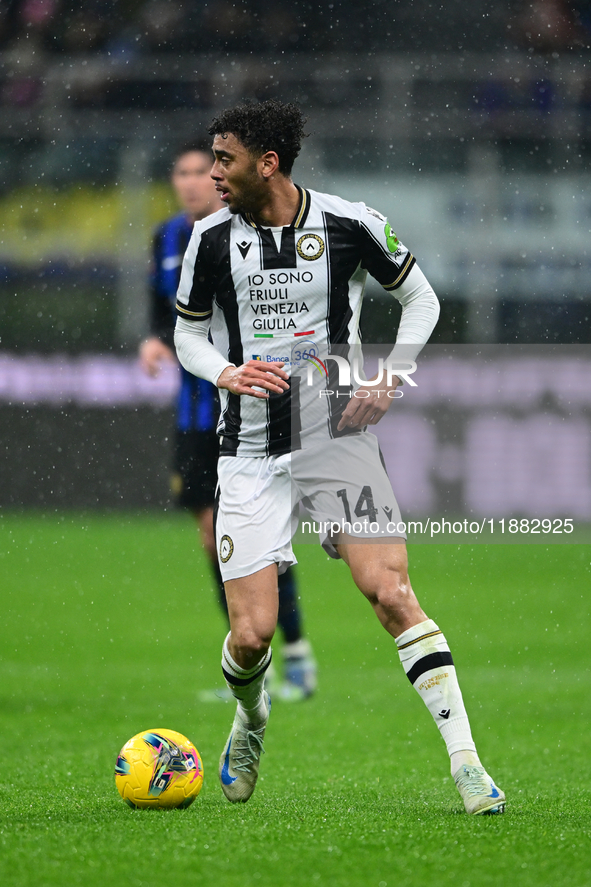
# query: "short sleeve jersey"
x,y
273,293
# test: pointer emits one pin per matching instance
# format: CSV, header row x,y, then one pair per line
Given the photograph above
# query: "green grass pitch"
x,y
109,626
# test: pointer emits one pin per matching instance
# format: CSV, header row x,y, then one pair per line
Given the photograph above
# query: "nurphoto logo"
x,y
352,371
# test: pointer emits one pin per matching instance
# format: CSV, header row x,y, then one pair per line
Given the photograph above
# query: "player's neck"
x,y
281,206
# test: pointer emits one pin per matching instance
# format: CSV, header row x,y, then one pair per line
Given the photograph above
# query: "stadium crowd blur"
x,y
114,35
132,28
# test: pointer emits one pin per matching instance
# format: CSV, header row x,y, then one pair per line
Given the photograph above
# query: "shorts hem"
x,y
242,572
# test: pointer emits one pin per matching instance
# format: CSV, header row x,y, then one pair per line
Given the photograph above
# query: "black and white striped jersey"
x,y
274,293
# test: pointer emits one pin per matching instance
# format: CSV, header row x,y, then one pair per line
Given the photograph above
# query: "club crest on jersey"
x,y
310,247
226,549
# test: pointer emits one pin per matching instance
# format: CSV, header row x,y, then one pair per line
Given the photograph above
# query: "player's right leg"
x,y
253,536
194,484
252,608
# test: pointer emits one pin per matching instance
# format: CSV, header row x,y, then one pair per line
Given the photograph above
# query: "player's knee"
x,y
250,642
376,580
390,589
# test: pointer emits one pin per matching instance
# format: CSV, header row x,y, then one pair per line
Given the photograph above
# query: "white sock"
x,y
247,684
428,664
459,758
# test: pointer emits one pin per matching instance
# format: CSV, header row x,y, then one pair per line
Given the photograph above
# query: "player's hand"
x,y
255,374
367,409
153,353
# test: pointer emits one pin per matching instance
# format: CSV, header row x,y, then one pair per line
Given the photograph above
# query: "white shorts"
x,y
343,486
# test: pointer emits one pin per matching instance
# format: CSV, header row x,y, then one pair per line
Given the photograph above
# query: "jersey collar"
x,y
300,217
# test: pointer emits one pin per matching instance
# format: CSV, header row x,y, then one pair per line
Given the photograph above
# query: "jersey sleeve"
x,y
383,255
196,353
196,290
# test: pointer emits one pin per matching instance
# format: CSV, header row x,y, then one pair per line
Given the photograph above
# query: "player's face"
x,y
237,176
193,186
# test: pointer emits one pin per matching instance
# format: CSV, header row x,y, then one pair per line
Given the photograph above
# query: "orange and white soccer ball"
x,y
160,769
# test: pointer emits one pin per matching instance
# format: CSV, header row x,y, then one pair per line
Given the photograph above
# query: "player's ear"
x,y
268,164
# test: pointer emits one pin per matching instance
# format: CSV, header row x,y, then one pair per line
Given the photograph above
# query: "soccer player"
x,y
196,441
283,263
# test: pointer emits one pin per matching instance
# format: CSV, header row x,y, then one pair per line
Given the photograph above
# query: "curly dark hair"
x,y
265,126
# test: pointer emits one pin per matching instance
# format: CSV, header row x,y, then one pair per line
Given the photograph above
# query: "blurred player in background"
x,y
196,442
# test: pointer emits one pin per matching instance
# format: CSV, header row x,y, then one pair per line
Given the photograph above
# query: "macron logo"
x,y
244,248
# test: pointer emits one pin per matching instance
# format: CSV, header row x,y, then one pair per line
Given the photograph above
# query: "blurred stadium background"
x,y
468,124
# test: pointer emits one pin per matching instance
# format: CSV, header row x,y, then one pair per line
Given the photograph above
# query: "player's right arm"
x,y
199,356
254,374
196,352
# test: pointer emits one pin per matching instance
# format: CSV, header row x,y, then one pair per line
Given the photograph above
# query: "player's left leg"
x,y
380,571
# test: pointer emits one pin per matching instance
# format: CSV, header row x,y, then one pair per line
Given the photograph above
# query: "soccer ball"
x,y
159,768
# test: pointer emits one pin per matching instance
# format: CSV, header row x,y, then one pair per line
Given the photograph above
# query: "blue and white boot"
x,y
479,793
239,763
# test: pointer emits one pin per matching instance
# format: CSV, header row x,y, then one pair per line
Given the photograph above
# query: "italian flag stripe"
x,y
284,336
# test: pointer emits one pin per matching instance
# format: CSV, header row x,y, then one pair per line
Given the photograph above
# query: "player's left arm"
x,y
157,348
395,268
